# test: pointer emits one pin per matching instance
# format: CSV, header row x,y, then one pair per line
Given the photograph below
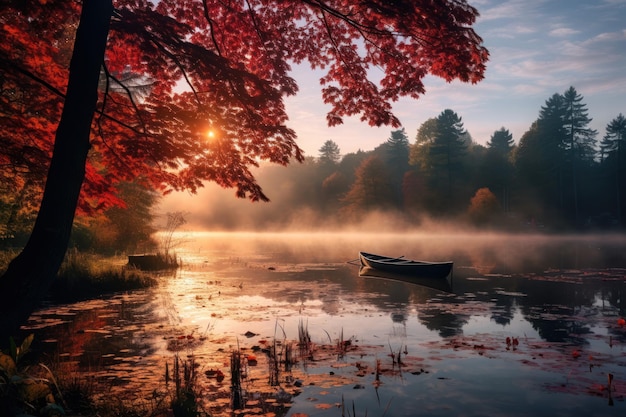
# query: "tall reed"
x,y
274,365
236,375
184,401
304,340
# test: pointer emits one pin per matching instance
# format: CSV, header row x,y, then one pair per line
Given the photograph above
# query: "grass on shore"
x,y
84,275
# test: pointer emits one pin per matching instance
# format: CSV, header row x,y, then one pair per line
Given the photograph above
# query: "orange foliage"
x,y
483,206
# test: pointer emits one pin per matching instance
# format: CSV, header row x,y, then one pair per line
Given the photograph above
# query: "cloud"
x,y
508,10
563,32
608,42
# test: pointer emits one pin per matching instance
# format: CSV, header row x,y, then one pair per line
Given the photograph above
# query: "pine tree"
x,y
552,163
501,141
329,153
448,150
498,168
580,143
398,160
613,147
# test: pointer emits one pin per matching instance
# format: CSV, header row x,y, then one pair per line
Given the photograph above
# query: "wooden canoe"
x,y
417,269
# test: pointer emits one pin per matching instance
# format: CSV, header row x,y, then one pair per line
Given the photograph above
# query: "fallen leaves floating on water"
x,y
583,371
571,364
577,276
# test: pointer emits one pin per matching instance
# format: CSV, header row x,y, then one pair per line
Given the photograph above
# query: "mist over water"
x,y
555,295
488,252
281,223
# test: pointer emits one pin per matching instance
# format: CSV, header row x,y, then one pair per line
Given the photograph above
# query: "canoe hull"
x,y
417,269
439,284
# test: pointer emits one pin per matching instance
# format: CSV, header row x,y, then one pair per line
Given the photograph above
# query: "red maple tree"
x,y
101,91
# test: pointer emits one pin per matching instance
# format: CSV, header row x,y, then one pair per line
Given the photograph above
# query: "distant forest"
x,y
561,175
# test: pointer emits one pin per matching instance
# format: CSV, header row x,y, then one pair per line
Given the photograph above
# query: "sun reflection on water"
x,y
246,291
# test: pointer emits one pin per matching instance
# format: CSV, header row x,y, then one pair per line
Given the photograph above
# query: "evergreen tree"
x,y
580,137
446,153
613,147
329,153
501,141
579,145
551,127
557,154
551,163
614,141
397,160
398,148
497,169
534,172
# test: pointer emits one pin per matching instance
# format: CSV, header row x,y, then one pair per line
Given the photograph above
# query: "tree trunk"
x,y
30,275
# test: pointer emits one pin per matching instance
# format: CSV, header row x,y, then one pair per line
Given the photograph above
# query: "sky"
x,y
537,48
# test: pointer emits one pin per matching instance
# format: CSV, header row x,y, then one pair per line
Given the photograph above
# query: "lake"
x,y
533,326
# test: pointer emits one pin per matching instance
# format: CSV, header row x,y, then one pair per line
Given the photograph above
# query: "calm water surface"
x,y
532,327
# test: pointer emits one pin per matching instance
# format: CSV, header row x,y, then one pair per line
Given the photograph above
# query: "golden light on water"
x,y
247,291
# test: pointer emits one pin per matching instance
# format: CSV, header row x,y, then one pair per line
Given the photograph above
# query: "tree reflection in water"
x,y
559,297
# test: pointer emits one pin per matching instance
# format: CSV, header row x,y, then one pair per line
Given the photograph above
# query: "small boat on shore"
x,y
399,265
152,262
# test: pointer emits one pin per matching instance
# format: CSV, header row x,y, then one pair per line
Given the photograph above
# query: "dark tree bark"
x,y
30,275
